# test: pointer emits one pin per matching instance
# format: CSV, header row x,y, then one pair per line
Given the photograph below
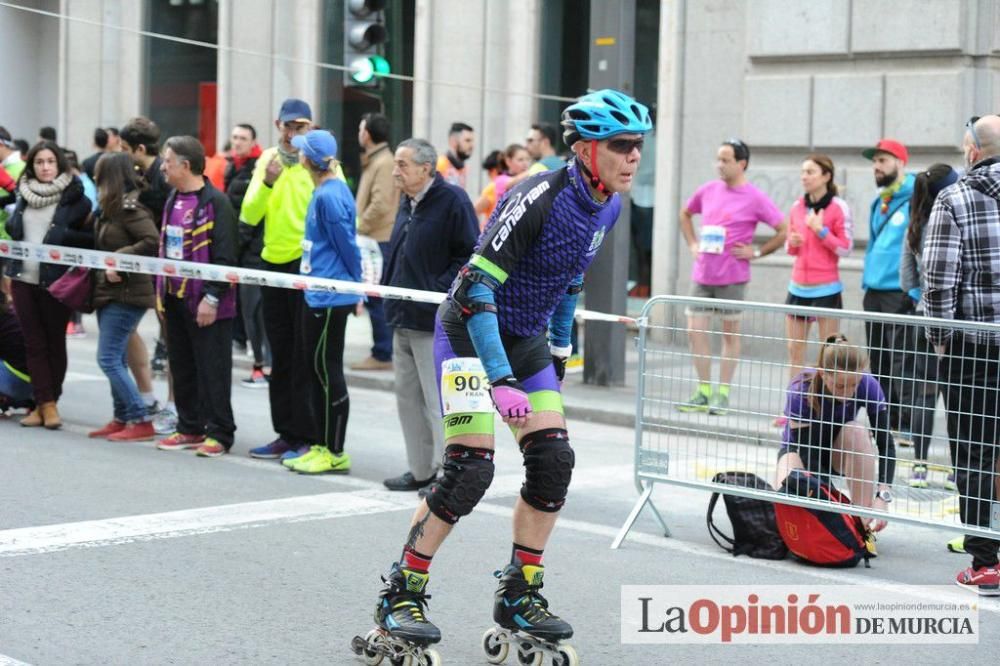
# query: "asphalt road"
x,y
122,554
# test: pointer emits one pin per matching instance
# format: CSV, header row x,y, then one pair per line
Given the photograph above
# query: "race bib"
x,y
175,242
464,386
713,239
305,266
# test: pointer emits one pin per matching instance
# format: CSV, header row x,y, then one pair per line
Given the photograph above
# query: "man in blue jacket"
x,y
889,344
433,237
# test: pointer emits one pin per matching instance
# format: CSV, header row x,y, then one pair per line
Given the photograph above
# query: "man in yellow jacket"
x,y
278,196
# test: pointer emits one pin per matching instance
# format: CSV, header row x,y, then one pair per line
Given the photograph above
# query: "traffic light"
x,y
364,35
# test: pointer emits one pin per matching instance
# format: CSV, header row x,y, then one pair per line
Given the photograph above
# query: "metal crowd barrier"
x,y
687,449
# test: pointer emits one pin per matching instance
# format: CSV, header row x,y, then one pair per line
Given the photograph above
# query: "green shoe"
x,y
313,451
957,545
325,462
718,404
918,477
698,402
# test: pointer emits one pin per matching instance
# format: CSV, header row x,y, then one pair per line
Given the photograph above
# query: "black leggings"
x,y
324,396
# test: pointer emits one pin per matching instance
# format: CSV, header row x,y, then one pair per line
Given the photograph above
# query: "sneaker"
x,y
153,409
574,364
257,379
272,450
324,462
957,545
290,458
75,331
698,402
158,363
949,482
110,428
407,482
165,421
984,580
718,404
918,477
372,363
295,452
211,448
134,432
178,442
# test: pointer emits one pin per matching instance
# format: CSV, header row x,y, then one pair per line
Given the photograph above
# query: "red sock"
x,y
415,561
524,555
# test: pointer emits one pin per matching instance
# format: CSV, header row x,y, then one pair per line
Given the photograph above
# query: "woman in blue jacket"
x,y
329,250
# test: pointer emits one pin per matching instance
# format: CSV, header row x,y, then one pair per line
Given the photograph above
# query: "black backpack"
x,y
755,530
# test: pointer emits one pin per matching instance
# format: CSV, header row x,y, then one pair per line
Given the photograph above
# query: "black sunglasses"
x,y
971,126
625,146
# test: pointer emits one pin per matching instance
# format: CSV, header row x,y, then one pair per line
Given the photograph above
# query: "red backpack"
x,y
823,538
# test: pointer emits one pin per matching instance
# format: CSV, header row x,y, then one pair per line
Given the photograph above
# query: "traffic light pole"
x,y
612,58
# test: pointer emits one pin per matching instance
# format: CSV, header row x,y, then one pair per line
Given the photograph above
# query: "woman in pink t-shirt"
x,y
820,233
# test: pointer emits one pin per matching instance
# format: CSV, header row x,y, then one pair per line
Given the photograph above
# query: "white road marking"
x,y
49,538
10,661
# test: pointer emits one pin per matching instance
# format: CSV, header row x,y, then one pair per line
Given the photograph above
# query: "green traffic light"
x,y
363,70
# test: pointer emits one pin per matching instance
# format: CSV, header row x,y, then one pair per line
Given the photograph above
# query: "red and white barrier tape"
x,y
131,263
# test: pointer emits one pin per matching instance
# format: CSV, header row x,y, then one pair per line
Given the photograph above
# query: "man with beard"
x,y
889,344
461,143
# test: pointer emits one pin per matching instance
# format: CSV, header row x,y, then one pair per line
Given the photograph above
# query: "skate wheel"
x,y
529,658
370,650
567,657
495,649
430,657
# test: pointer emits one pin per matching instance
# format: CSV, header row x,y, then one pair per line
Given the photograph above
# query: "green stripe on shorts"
x,y
546,401
468,423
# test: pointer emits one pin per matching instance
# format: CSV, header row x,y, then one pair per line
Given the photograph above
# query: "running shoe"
x,y
272,450
211,448
984,580
918,477
75,331
110,428
949,482
301,454
698,402
718,404
134,432
574,364
957,545
324,462
179,442
165,421
257,379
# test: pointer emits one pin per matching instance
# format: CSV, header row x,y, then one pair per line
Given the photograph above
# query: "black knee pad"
x,y
548,463
467,473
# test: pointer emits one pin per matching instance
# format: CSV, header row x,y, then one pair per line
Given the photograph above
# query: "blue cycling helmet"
x,y
602,114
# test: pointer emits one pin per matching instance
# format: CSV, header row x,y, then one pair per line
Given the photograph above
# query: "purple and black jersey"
x,y
543,234
822,425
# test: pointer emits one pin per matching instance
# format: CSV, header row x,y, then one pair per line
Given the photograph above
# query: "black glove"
x,y
559,363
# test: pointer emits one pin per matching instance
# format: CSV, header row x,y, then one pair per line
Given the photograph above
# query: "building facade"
x,y
787,76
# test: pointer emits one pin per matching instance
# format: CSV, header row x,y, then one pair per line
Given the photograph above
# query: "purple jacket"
x,y
209,238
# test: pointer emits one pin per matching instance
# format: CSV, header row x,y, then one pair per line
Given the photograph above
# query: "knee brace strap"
x,y
548,463
467,473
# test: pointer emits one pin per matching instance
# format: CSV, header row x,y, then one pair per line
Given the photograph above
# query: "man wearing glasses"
x,y
889,344
730,209
960,252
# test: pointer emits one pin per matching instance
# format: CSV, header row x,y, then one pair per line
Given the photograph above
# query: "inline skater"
x,y
492,352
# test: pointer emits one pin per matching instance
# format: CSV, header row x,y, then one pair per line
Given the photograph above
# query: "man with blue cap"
x,y
278,195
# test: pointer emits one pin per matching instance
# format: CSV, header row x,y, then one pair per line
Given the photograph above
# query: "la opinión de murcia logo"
x,y
773,614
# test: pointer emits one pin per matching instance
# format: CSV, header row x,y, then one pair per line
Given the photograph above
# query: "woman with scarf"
x,y
51,209
820,233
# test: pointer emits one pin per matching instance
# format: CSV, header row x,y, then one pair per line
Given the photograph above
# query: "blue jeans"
x,y
117,322
381,332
